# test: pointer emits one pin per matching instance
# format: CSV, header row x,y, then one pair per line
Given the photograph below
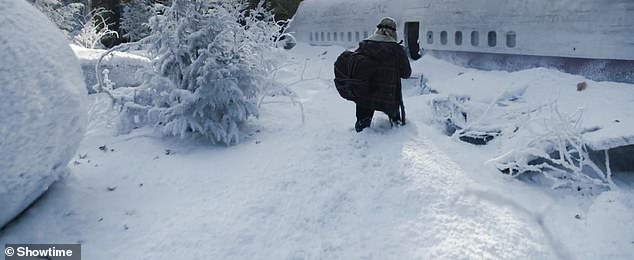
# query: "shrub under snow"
x,y
535,138
211,61
64,16
94,27
551,142
42,113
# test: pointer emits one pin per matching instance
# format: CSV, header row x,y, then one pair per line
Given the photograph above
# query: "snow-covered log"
x,y
42,108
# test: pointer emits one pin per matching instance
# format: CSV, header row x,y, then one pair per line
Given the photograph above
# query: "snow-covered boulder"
x,y
42,106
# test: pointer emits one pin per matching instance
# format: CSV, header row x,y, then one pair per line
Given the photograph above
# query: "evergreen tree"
x,y
283,9
134,19
211,61
64,16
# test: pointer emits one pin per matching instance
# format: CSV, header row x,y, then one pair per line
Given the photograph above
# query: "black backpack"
x,y
353,75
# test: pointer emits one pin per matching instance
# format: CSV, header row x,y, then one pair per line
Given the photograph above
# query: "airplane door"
x,y
411,40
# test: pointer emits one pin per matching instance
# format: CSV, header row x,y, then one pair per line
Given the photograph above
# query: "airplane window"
x,y
511,39
341,36
492,39
357,36
311,36
430,37
475,38
458,38
349,36
328,36
322,36
443,38
335,36
316,36
365,34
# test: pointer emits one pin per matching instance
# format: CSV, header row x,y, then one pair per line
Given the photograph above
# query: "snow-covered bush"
x,y
532,138
211,60
451,112
423,86
551,142
95,26
43,113
467,120
135,19
85,28
64,16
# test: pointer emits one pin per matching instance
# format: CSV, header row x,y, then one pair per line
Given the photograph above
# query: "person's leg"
x,y
364,117
395,117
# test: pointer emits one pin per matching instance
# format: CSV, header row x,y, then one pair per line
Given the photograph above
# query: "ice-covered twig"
x,y
556,149
608,170
275,89
100,83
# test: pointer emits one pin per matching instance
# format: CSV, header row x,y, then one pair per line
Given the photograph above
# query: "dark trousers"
x,y
364,113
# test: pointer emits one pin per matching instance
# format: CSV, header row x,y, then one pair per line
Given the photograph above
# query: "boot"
x,y
362,124
395,119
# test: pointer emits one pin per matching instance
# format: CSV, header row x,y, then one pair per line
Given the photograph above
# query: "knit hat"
x,y
387,23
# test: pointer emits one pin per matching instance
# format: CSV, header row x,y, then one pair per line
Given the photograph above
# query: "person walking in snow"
x,y
386,83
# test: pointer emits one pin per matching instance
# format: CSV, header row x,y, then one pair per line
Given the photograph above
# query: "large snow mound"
x,y
42,113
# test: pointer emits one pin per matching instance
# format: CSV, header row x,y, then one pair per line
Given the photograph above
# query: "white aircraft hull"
x,y
574,30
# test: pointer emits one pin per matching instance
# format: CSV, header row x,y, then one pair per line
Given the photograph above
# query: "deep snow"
x,y
43,108
121,66
319,190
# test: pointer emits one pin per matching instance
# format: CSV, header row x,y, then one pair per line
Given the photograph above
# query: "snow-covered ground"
x,y
319,190
121,66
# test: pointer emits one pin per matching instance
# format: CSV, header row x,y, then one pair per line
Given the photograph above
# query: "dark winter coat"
x,y
386,83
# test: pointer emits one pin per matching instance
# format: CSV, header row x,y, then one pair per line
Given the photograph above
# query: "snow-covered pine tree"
x,y
64,16
134,19
211,60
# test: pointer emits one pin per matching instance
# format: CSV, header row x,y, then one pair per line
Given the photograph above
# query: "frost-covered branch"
x,y
95,27
551,143
537,139
98,72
